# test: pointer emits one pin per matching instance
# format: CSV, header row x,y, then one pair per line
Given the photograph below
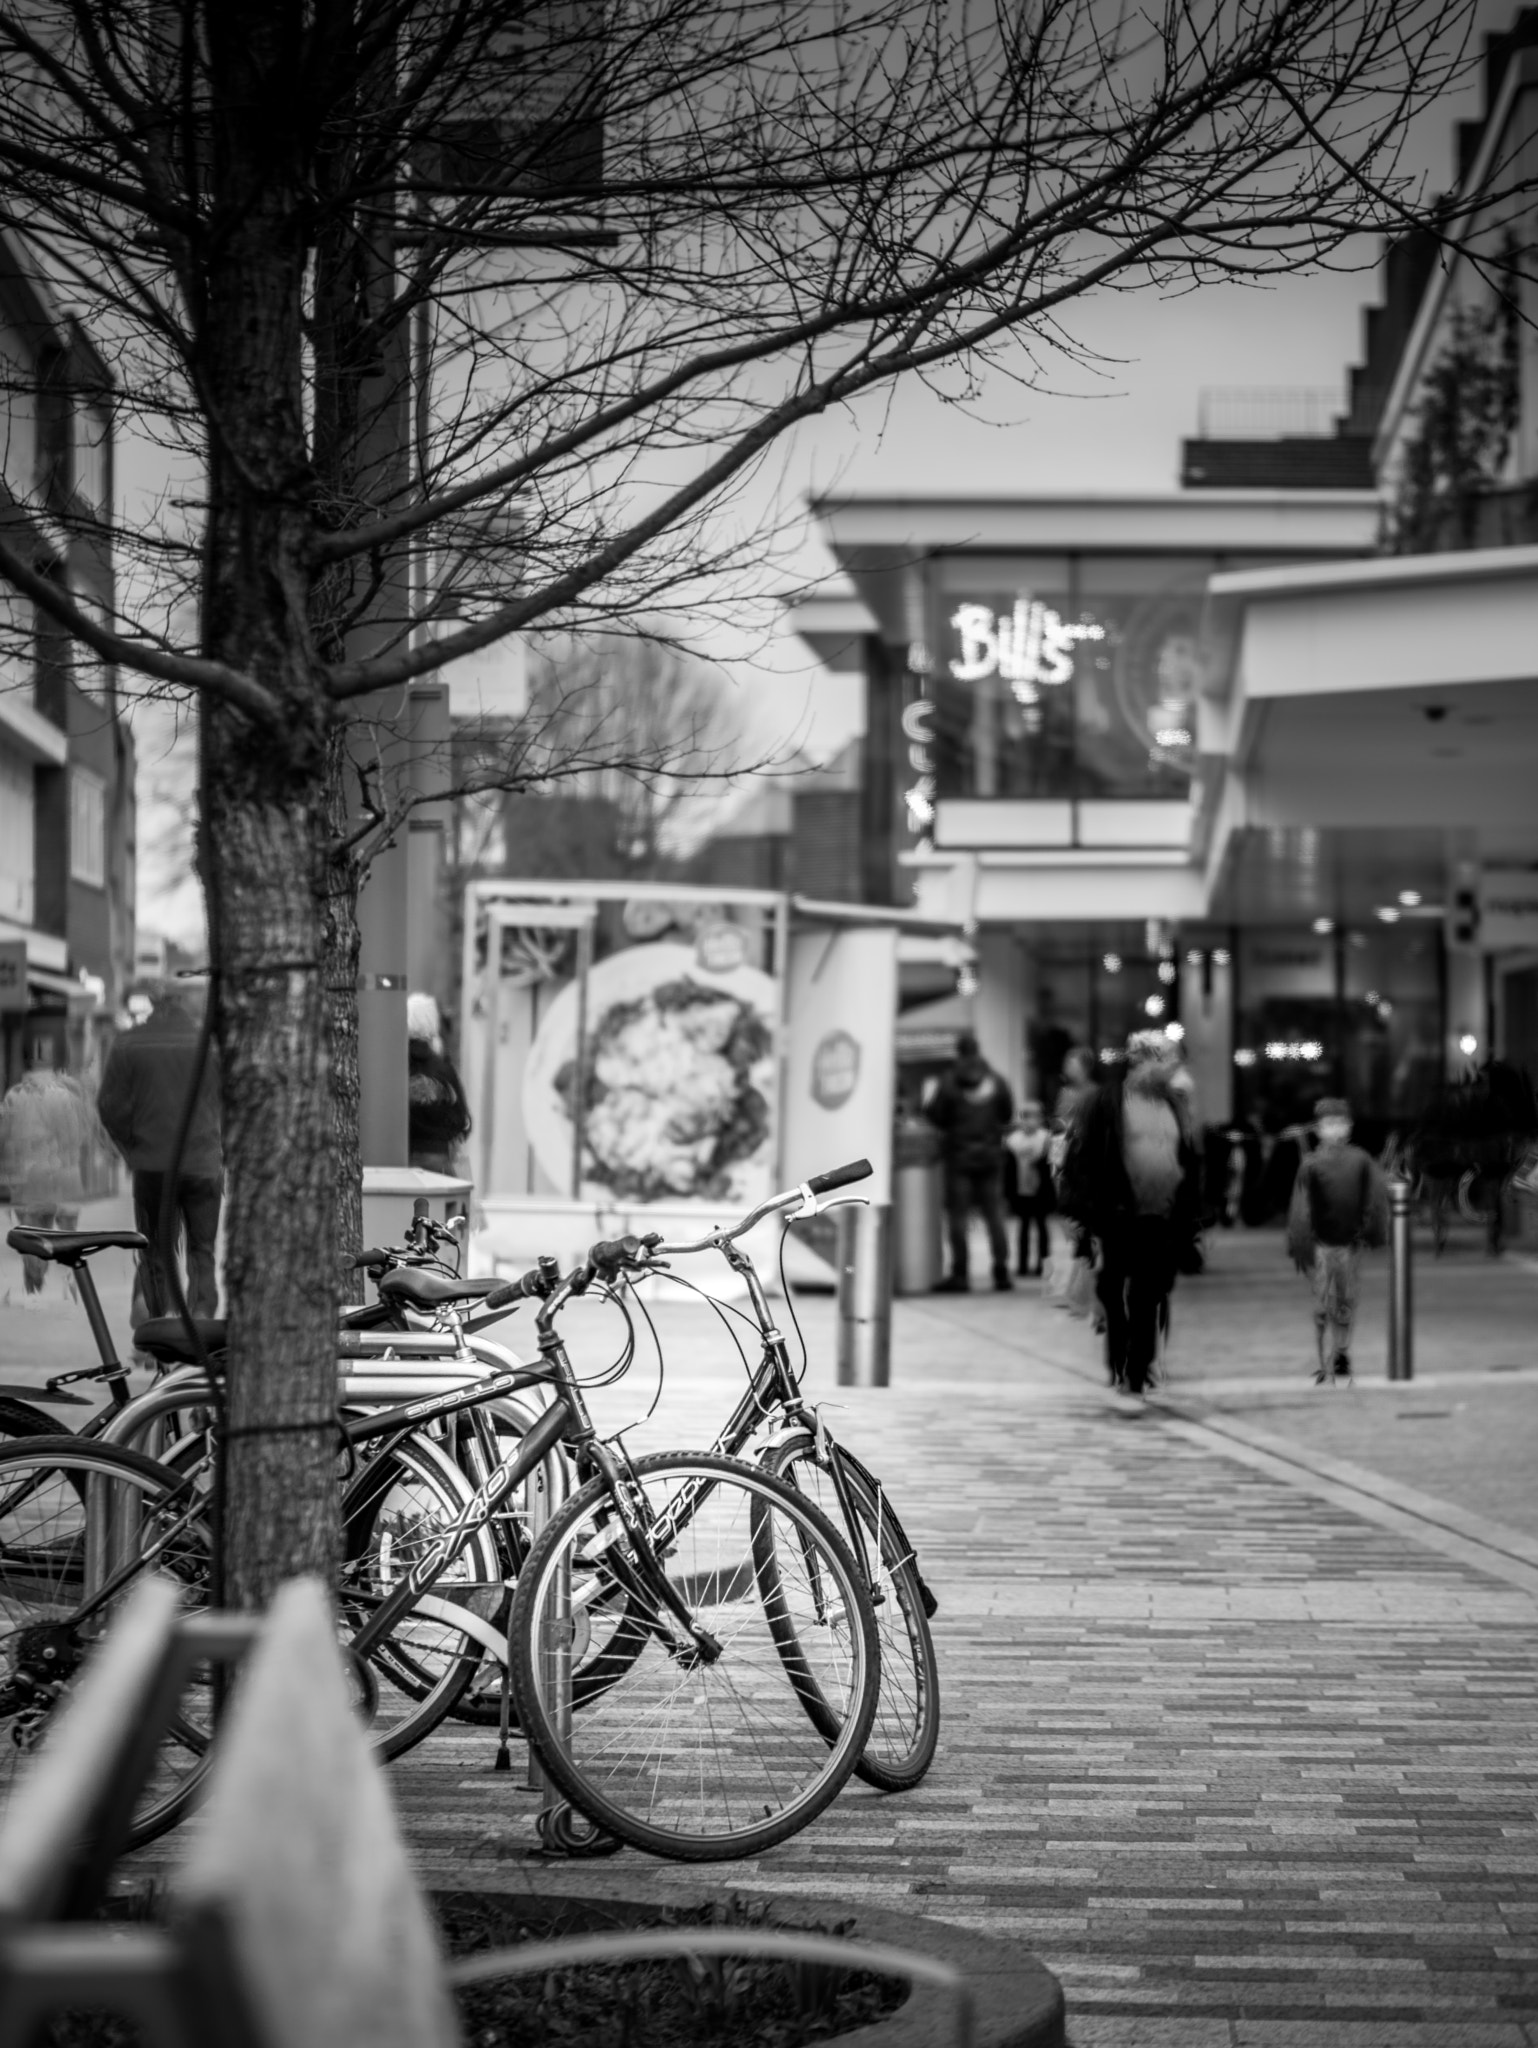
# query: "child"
x,y
1339,1204
1028,1185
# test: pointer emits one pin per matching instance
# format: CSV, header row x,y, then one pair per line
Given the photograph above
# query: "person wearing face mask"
x,y
1339,1207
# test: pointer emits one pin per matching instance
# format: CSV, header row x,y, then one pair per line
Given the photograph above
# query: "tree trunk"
x,y
264,817
342,944
265,865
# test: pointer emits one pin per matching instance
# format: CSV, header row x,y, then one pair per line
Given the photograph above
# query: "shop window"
x,y
1065,677
1364,1022
1136,682
87,828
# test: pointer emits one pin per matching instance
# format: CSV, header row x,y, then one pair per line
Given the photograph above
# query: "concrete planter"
x,y
1018,2003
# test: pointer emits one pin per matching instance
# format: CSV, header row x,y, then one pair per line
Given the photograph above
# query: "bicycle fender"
x,y
464,1619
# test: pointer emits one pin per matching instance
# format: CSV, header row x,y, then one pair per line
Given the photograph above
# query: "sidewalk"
x,y
1242,1753
1239,1696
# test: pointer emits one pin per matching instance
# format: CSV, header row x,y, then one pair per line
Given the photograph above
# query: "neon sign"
x,y
920,798
1029,646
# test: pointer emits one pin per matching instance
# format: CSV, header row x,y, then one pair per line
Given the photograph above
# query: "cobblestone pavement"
x,y
1244,1753
1240,1713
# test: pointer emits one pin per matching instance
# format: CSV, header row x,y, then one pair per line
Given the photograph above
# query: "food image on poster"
x,y
672,1087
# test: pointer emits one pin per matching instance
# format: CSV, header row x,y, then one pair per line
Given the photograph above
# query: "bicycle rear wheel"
x,y
395,1511
70,1511
907,1723
684,1755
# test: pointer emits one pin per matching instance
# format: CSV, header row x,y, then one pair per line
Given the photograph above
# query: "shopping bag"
x,y
1079,1289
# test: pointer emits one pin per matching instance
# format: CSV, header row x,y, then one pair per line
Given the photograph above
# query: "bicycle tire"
x,y
44,1566
20,1421
906,1727
730,1764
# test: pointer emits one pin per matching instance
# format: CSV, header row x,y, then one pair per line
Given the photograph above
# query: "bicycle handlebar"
x,y
610,1255
839,1177
806,1195
536,1285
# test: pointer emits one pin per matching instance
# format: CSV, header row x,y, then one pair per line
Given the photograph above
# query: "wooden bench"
x,y
295,1918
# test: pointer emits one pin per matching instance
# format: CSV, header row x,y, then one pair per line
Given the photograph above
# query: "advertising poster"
x,y
840,1073
622,1045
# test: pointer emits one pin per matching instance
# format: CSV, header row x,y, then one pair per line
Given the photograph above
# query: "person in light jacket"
x,y
46,1126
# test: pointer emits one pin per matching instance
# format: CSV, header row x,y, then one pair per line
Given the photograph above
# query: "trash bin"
x,y
916,1207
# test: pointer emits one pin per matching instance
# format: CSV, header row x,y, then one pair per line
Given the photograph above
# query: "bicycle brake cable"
x,y
790,1303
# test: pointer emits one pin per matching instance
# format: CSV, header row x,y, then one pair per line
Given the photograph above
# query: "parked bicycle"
x,y
705,1616
797,1445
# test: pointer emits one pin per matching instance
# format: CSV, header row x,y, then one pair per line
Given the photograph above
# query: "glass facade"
x,y
1066,676
1358,1013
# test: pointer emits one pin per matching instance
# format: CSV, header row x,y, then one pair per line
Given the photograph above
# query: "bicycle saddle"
x,y
69,1247
165,1338
419,1289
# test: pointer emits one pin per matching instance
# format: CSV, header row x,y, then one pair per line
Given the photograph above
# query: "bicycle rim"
x,y
405,1505
681,1756
907,1721
71,1510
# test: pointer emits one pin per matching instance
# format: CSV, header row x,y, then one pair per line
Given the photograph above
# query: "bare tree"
x,y
671,724
637,243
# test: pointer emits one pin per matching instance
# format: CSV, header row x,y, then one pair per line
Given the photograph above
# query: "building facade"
x,y
1257,760
66,754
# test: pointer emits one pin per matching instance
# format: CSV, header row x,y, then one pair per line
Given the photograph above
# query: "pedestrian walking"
x,y
1028,1187
1339,1207
972,1109
46,1126
1131,1178
145,1086
1079,1074
438,1116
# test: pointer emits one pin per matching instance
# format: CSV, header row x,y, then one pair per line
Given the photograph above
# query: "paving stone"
x,y
1243,1752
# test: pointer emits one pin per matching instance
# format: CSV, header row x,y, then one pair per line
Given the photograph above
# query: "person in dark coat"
x,y
1131,1176
143,1089
972,1108
438,1116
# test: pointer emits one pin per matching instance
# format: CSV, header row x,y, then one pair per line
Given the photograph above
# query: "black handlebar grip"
x,y
530,1286
840,1176
615,1251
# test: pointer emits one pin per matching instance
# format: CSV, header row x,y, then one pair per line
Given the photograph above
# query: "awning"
x,y
928,1031
47,983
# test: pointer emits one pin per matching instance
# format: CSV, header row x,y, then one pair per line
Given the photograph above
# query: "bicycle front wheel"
x,y
695,1753
72,1512
907,1723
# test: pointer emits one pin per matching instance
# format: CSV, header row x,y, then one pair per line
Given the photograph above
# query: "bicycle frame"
x,y
774,1386
565,1421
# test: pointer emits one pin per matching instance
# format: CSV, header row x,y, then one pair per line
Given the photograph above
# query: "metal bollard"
x,y
864,1349
556,1647
1401,1288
